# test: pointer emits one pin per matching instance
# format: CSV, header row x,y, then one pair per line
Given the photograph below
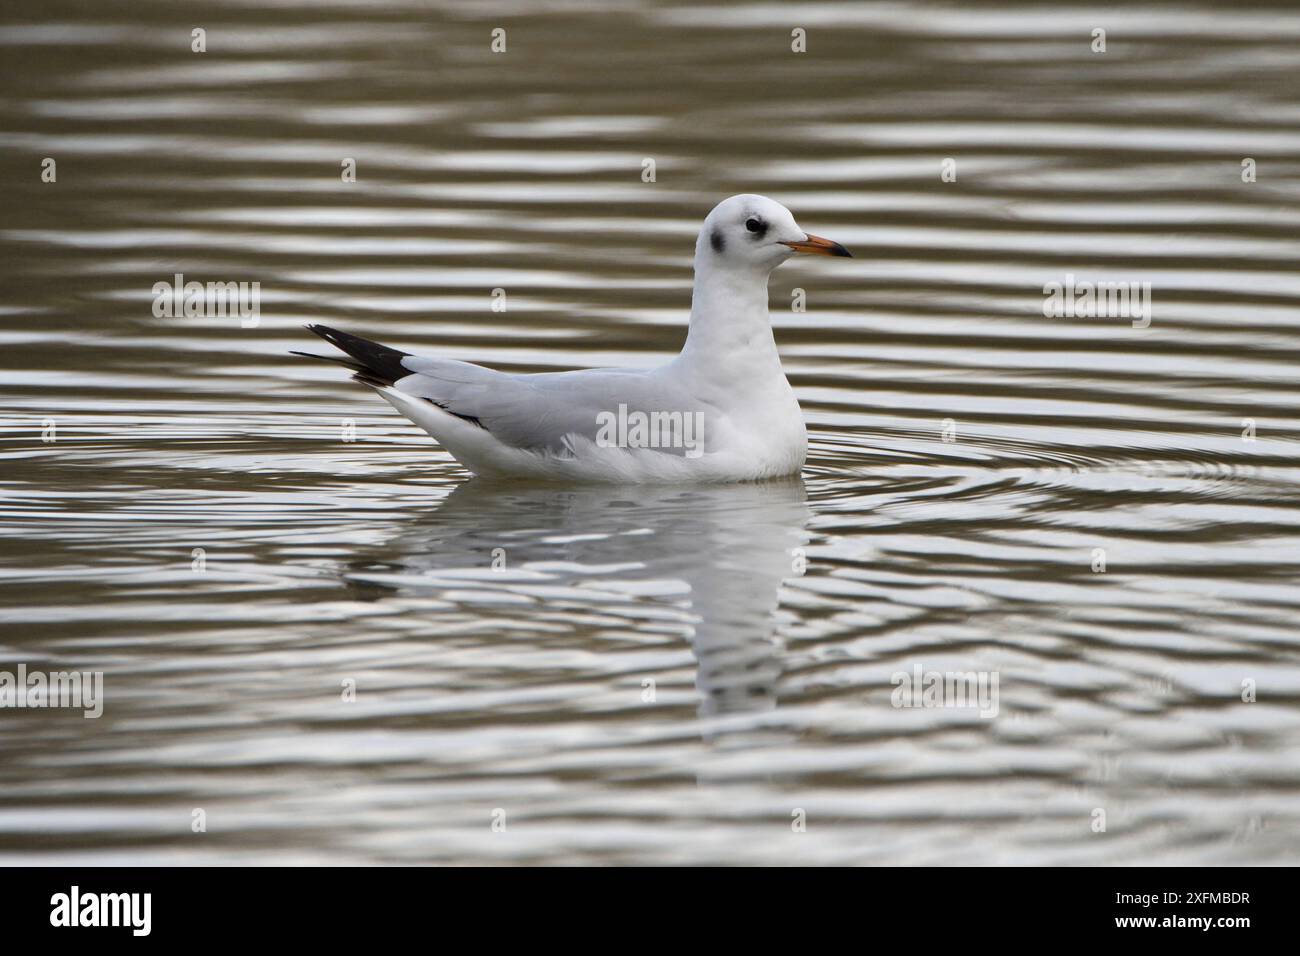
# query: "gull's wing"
x,y
539,412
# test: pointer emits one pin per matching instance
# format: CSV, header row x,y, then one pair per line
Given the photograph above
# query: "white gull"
x,y
722,410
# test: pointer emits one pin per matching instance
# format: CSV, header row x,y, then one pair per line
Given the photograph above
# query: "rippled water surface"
x,y
663,675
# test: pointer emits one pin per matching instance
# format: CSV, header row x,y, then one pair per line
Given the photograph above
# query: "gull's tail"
x,y
371,363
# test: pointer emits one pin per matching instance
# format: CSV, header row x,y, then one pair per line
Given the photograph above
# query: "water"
x,y
502,641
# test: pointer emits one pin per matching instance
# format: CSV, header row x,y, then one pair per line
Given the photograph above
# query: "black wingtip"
x,y
374,364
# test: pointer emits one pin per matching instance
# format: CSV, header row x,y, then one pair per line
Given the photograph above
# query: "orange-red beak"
x,y
817,246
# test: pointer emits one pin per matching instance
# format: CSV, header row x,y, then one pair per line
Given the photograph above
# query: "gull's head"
x,y
750,232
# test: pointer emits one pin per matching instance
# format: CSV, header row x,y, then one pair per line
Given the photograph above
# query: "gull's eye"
x,y
754,224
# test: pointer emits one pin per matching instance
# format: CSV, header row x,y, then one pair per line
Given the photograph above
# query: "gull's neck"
x,y
729,321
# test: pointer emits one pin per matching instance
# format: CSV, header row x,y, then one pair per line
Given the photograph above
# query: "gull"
x,y
721,411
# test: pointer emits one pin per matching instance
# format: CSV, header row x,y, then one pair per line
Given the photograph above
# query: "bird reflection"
x,y
727,548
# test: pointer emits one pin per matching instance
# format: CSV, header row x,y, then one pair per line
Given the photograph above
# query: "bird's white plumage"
x,y
728,377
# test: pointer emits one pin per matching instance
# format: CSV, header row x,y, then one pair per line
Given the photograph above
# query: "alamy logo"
x,y
37,689
626,429
215,300
103,909
946,689
1092,300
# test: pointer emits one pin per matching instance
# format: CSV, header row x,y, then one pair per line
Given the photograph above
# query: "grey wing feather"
x,y
534,411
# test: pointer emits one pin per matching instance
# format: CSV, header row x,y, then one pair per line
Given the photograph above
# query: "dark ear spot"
x,y
717,241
